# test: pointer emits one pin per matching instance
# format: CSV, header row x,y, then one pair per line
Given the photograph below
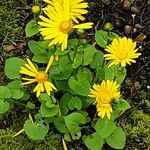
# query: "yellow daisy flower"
x,y
104,110
104,94
77,8
122,51
41,77
58,25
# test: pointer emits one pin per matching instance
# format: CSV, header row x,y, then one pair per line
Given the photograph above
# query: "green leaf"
x,y
36,130
105,127
98,60
32,28
48,112
12,67
4,106
5,92
75,102
73,121
120,74
112,35
101,38
88,54
59,123
16,89
79,84
38,47
78,60
94,142
100,73
122,105
117,139
72,43
63,103
30,105
109,72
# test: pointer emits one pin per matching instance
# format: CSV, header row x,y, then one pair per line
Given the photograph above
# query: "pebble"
x,y
135,10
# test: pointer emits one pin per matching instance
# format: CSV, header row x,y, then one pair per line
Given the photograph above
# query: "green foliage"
x,y
35,130
12,67
117,139
73,73
32,28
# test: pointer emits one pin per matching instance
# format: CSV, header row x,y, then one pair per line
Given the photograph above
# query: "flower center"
x,y
65,26
41,76
123,55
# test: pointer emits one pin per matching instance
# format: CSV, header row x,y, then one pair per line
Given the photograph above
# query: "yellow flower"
x,y
77,8
104,110
58,25
104,94
35,9
122,51
41,77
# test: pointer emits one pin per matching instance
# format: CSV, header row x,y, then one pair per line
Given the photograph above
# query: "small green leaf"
x,y
117,139
94,142
32,28
122,105
73,121
75,102
97,60
63,103
109,72
4,106
105,127
88,54
59,123
12,67
38,47
112,35
120,74
36,130
79,84
101,38
48,112
5,92
78,60
30,105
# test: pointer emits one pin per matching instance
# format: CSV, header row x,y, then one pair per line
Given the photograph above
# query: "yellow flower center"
x,y
65,26
123,55
41,77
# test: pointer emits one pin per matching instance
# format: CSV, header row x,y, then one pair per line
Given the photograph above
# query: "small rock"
x,y
141,37
127,29
135,10
139,4
126,5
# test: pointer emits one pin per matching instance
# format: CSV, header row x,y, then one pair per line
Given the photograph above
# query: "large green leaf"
x,y
117,139
32,28
12,67
77,60
105,127
79,84
101,38
4,106
73,121
35,130
121,105
94,142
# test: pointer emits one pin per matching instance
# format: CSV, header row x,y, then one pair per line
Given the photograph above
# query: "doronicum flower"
x,y
35,9
77,8
58,25
104,110
40,77
105,93
122,51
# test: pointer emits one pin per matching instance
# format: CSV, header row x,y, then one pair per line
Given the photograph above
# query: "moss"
x,y
137,127
21,142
